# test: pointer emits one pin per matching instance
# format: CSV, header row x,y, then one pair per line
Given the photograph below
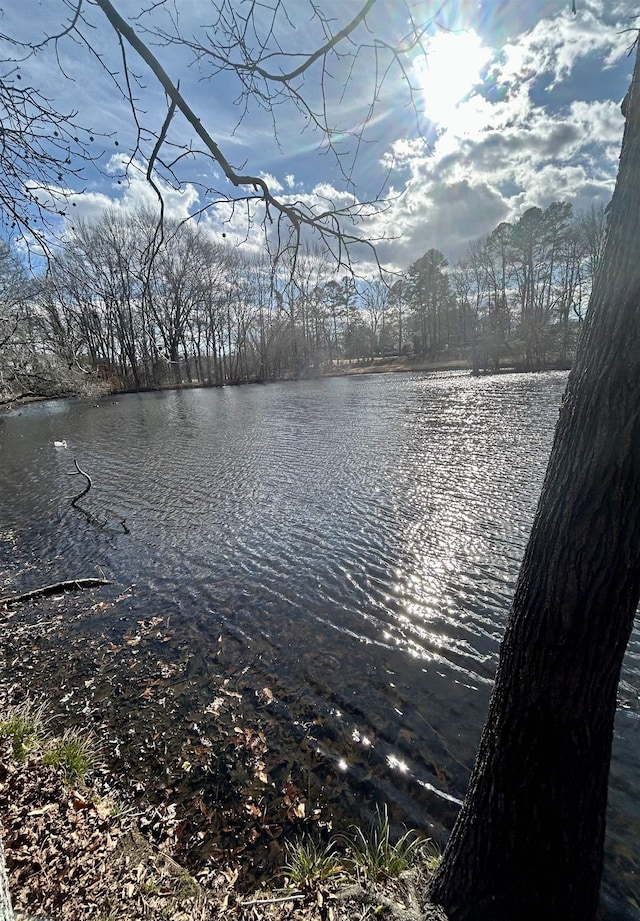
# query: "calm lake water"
x,y
359,537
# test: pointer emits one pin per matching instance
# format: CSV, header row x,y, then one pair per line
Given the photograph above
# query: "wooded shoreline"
x,y
380,365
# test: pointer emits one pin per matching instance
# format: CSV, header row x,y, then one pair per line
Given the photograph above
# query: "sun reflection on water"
x,y
447,600
397,764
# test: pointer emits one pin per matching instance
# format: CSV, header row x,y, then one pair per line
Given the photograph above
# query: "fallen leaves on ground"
x,y
72,855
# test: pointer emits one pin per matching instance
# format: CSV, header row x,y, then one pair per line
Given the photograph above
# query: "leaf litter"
x,y
189,815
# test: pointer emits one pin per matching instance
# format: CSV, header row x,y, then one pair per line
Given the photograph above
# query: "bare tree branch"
x,y
250,40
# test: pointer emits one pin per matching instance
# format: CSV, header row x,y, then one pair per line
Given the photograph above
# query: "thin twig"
x,y
284,898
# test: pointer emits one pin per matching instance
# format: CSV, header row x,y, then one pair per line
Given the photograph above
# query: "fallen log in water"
x,y
70,585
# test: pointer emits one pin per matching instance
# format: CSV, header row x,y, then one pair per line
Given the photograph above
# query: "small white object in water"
x,y
59,444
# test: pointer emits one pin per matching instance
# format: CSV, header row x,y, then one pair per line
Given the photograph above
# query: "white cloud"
x,y
135,193
274,184
512,145
555,45
540,127
403,152
128,195
566,183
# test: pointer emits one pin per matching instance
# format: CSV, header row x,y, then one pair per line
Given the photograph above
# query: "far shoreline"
x,y
344,368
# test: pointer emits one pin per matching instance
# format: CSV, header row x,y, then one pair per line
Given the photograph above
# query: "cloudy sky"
x,y
503,105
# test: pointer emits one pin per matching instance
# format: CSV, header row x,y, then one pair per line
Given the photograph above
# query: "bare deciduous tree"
x,y
251,50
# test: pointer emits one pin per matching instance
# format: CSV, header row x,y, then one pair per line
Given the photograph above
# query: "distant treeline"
x,y
125,305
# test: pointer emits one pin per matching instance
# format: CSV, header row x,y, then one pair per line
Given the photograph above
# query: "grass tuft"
x,y
25,725
432,858
370,854
376,858
75,752
310,862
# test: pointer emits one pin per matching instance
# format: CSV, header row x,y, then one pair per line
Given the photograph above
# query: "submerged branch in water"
x,y
69,585
87,514
87,487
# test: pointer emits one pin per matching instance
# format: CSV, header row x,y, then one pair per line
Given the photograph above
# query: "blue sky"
x,y
514,105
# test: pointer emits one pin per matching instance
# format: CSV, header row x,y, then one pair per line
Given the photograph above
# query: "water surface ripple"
x,y
361,536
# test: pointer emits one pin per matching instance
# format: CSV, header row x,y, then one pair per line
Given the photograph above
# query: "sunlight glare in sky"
x,y
452,67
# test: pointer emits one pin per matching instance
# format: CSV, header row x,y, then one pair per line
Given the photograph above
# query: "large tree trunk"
x,y
528,843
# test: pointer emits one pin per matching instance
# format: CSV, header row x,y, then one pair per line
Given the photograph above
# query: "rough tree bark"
x,y
529,839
